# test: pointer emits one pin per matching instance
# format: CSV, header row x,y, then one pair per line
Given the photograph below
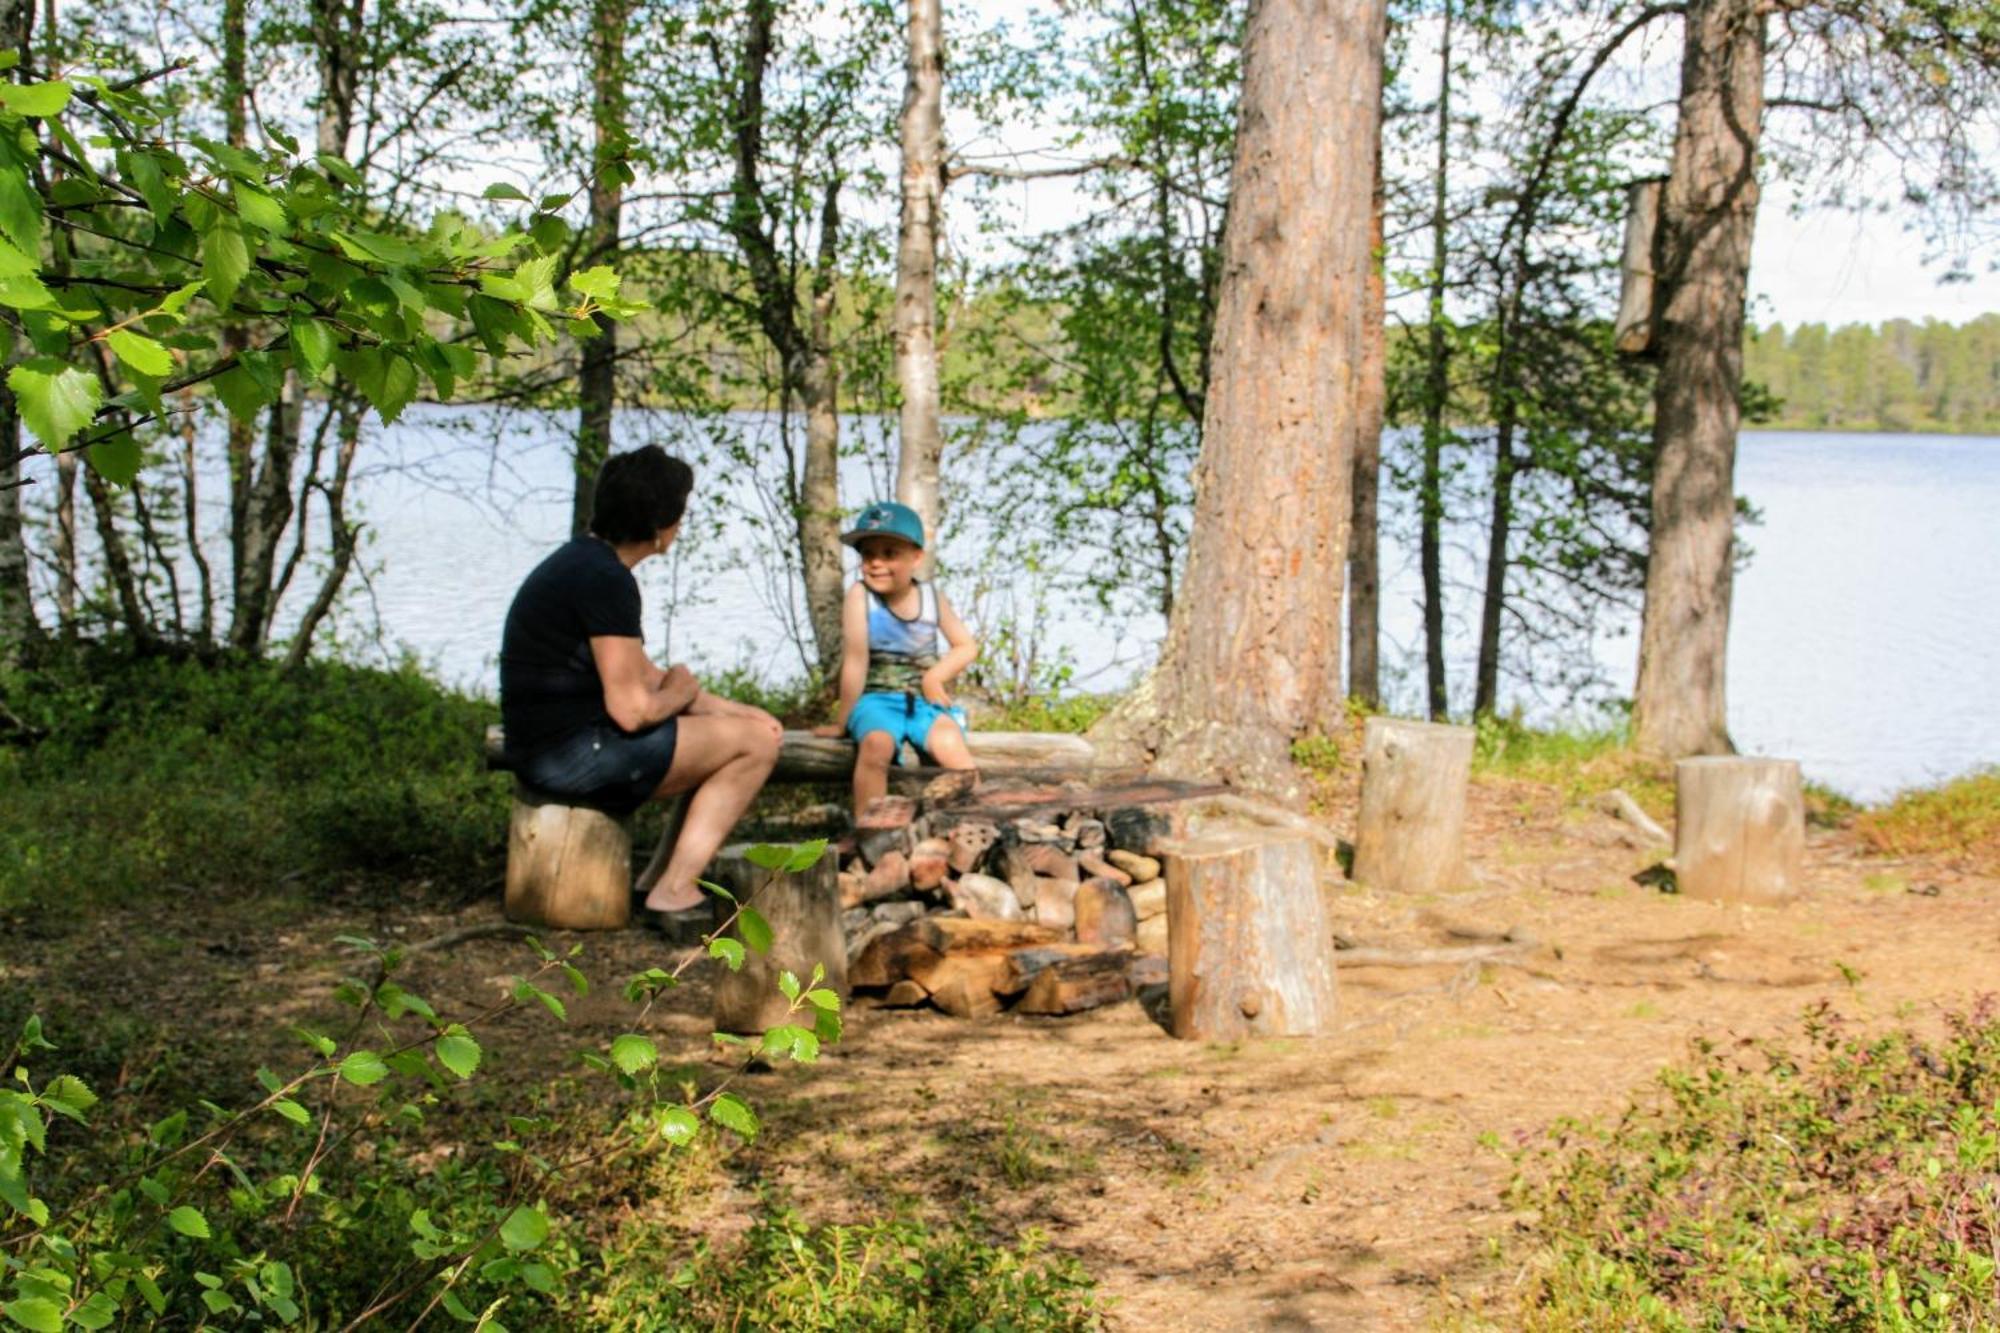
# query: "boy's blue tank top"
x,y
900,651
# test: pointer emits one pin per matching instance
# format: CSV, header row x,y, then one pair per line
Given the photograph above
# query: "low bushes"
x,y
1852,1184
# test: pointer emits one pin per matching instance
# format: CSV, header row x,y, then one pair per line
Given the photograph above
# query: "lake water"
x,y
1865,638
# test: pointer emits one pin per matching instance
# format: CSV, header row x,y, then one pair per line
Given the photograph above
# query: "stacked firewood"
x,y
972,912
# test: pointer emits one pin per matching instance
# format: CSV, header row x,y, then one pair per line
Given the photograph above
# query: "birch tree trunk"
x,y
597,387
1707,215
66,543
921,440
1252,658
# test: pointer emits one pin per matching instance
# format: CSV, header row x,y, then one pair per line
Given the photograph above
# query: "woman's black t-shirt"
x,y
549,685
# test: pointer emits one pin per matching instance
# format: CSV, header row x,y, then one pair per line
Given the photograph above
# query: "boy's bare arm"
x,y
853,658
962,652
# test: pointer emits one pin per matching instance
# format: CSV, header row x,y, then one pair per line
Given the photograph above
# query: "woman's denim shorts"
x,y
599,765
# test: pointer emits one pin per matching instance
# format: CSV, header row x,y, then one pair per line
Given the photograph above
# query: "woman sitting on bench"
x,y
589,718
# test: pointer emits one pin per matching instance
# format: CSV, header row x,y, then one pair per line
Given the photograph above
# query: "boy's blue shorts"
x,y
906,717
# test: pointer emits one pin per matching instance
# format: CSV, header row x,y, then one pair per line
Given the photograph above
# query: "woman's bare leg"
x,y
723,762
871,769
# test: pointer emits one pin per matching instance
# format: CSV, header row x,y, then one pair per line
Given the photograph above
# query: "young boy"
x,y
894,682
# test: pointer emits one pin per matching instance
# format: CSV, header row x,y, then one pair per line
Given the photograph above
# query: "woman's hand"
x,y
831,731
934,691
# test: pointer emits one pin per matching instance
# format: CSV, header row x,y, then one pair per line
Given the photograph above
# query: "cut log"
x,y
1410,835
962,984
906,994
949,934
1149,899
804,757
803,909
1024,965
1249,947
568,867
1105,915
887,958
1073,985
1741,829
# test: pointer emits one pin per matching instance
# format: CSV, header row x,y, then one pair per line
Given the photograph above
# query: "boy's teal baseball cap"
x,y
886,518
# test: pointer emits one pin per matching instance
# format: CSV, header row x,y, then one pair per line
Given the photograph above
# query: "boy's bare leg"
x,y
947,745
723,761
871,769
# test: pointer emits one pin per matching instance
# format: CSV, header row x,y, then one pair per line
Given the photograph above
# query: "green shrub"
x,y
1071,713
1958,818
896,1276
130,774
1851,1186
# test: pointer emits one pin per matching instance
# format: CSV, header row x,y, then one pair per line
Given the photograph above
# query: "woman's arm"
x,y
638,694
963,652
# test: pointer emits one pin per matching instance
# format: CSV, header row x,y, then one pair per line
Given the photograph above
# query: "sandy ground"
x,y
1349,1182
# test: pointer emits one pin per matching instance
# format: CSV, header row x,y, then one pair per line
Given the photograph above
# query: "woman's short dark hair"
x,y
638,493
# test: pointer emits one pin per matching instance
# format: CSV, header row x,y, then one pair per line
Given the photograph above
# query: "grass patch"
x,y
1837,1182
1582,764
126,774
892,1276
1960,818
1074,713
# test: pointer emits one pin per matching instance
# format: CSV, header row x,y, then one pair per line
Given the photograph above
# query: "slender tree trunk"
x,y
597,388
1364,569
18,623
921,439
819,488
1437,392
345,536
191,519
1252,659
1486,677
805,357
117,562
267,512
66,581
337,28
246,604
1708,212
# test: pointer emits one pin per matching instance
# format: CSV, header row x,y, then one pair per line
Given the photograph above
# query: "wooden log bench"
x,y
569,867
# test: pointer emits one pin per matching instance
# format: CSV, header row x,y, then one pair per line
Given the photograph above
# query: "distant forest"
x,y
1931,376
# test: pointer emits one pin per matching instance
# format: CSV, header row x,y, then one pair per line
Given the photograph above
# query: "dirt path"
x,y
1354,1182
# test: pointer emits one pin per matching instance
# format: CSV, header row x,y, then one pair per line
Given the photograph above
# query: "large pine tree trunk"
x,y
921,442
1707,215
1364,565
597,387
1252,659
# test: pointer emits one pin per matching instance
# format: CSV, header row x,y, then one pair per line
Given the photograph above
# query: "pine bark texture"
x,y
1410,834
1739,829
1249,946
921,440
568,867
1708,212
803,910
597,377
1252,658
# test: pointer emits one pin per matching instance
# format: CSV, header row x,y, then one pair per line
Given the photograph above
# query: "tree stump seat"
x,y
569,867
